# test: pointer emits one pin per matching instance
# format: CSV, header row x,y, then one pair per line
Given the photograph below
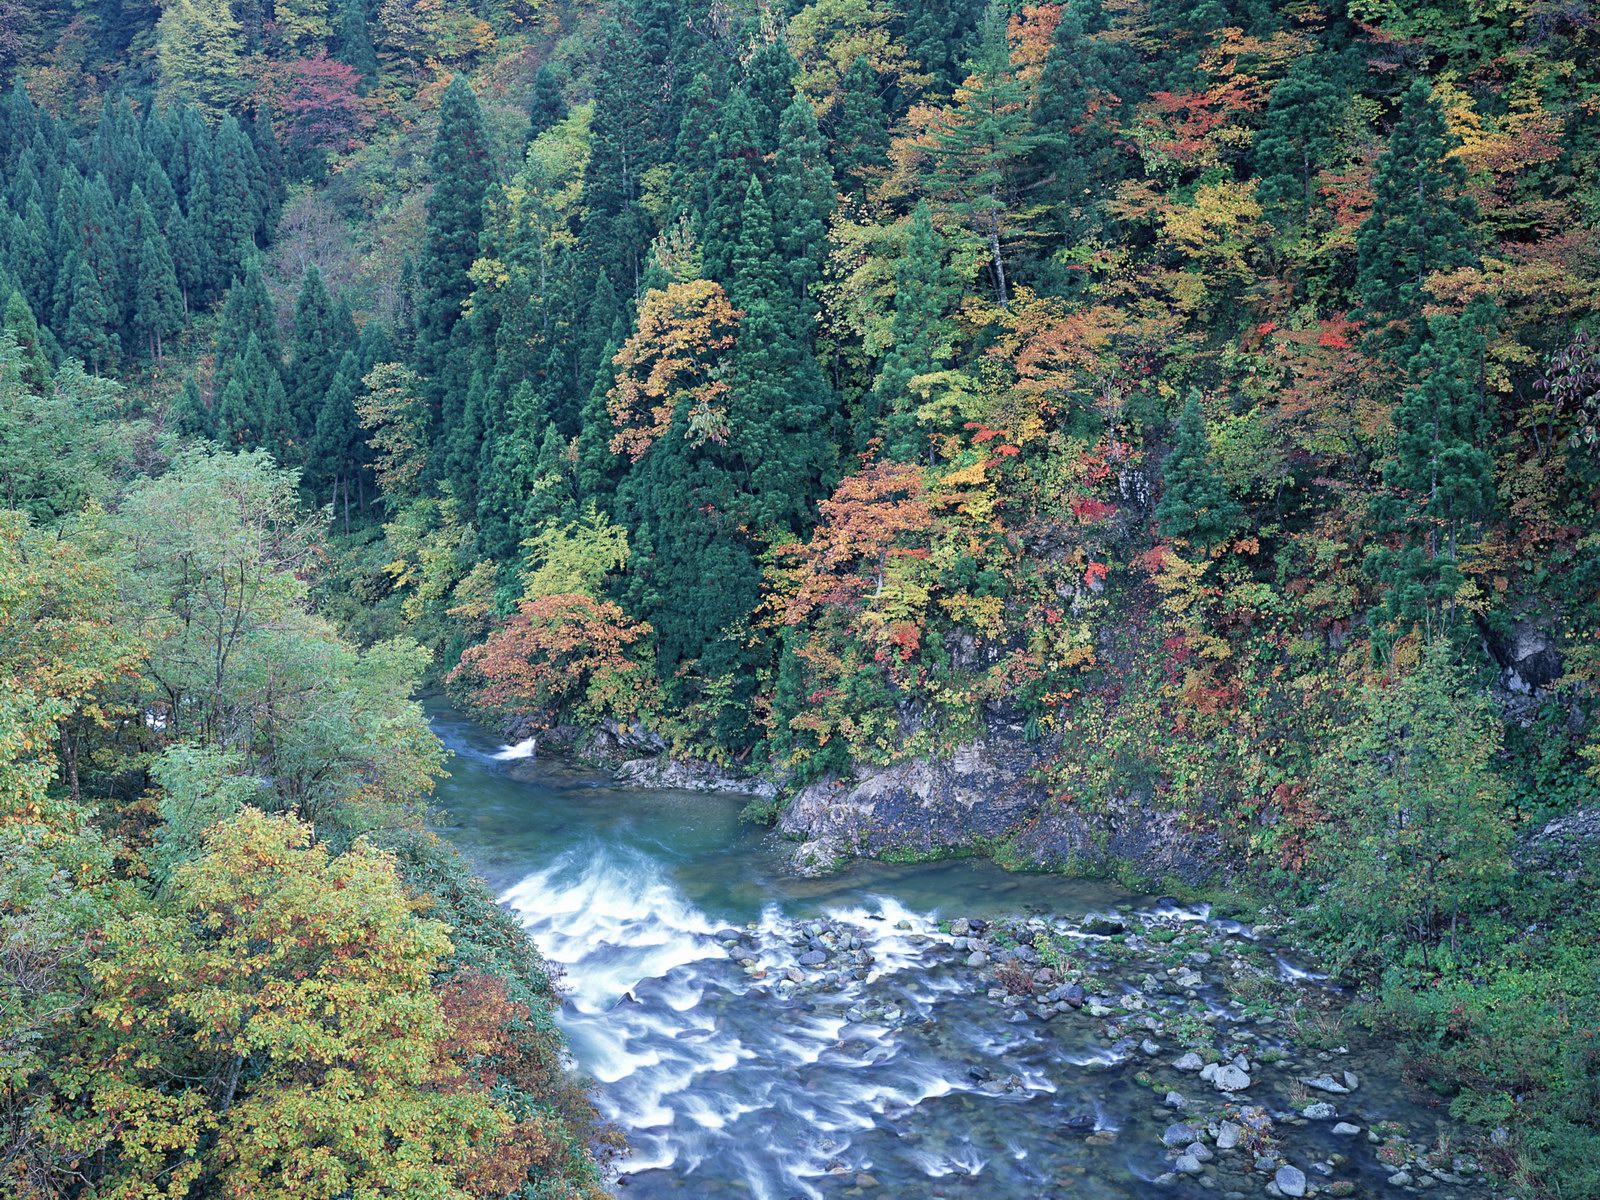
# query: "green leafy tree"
x,y
199,52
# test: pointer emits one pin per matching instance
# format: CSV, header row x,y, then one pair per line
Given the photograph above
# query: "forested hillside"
x,y
1206,395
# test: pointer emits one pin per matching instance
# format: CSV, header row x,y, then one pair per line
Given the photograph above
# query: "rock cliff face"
x,y
985,798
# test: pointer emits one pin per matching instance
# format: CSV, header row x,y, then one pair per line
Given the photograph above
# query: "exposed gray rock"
x,y
1179,1134
986,792
1291,1181
1320,1111
1345,1129
1187,1164
1230,1079
1190,1062
1228,1135
1326,1083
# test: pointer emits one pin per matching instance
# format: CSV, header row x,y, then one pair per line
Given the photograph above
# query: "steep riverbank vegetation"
x,y
1207,393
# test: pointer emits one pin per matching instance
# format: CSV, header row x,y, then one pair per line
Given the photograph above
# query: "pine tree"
x,y
23,330
353,42
548,107
981,150
1422,222
1195,505
248,312
1299,137
462,169
734,166
239,205
337,444
158,305
189,413
1439,481
315,350
919,335
780,408
860,145
802,201
91,325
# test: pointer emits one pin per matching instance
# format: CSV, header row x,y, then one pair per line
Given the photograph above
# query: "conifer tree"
x,y
919,342
158,304
462,168
802,203
1421,222
1299,137
980,151
248,312
252,411
23,330
769,85
189,413
625,141
238,204
315,350
548,107
734,166
1195,506
1439,480
860,143
91,325
337,443
353,41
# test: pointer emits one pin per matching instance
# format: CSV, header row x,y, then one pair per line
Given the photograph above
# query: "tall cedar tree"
x,y
920,335
1422,222
982,146
1195,505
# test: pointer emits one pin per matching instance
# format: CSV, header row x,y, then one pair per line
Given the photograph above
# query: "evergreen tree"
x,y
939,34
802,201
860,145
694,154
596,465
919,342
189,414
315,350
252,411
185,255
23,330
239,205
1421,222
248,312
548,107
1299,137
158,304
734,166
337,443
1195,505
780,409
462,169
1440,480
91,325
980,152
769,86
353,41
28,255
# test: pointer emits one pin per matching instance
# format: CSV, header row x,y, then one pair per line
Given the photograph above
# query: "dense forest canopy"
x,y
1209,391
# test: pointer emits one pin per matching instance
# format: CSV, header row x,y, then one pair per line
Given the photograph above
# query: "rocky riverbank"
x,y
1253,1081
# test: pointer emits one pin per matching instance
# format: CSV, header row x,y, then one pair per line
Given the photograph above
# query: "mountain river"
x,y
895,1068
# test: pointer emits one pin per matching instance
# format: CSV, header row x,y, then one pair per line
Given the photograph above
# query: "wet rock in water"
x,y
1073,995
1081,1122
1230,1079
1150,1048
813,958
1351,1081
1291,1181
1326,1083
1179,1135
960,927
1400,1179
725,936
1174,1100
1345,1129
1200,1150
1187,1164
1190,1062
1228,1135
1320,1111
977,959
1104,926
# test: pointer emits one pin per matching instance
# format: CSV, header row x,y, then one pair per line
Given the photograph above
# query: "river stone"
x,y
1351,1081
1073,995
1230,1079
1291,1181
1104,926
1190,1062
1320,1111
960,927
728,935
813,958
1345,1129
1326,1083
1199,1150
1174,1100
977,959
1228,1135
1179,1135
1400,1179
1150,1048
1187,1164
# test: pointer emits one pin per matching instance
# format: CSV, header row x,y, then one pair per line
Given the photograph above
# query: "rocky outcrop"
x,y
986,797
691,776
1562,847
